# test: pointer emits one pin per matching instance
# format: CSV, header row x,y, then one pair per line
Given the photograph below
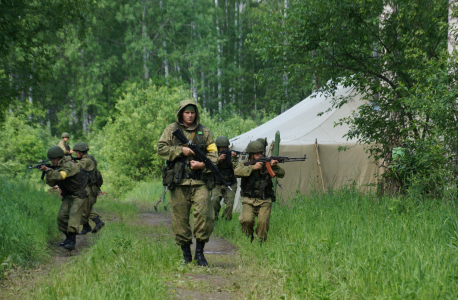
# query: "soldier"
x,y
63,144
221,191
190,181
73,183
257,192
89,164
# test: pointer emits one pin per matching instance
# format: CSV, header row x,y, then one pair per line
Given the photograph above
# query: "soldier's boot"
x,y
98,224
252,238
64,241
86,229
187,255
70,245
199,255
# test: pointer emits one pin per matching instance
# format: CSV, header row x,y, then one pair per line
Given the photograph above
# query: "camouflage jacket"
x,y
64,146
227,169
69,178
169,149
88,164
65,168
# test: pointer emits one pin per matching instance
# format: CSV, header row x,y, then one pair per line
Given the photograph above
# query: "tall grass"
x,y
27,223
346,245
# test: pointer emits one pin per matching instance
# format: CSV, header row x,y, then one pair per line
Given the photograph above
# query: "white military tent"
x,y
300,127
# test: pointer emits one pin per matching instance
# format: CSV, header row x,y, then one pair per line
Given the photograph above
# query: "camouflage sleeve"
x,y
86,164
53,177
243,171
165,149
279,171
235,161
62,146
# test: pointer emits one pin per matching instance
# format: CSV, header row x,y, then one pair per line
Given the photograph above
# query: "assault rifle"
x,y
280,159
229,154
199,155
42,163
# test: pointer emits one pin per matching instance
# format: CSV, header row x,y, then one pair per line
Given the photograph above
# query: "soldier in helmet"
x,y
89,164
221,191
257,192
189,181
63,144
73,183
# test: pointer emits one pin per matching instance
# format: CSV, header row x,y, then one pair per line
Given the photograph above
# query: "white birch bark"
x,y
145,36
219,74
452,25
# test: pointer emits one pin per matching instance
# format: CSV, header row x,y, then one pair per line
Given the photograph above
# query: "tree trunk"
x,y
145,37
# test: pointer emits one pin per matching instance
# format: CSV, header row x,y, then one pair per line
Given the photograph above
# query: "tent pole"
x,y
318,165
276,153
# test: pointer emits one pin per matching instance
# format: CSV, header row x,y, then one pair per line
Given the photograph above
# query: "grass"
x,y
27,223
346,245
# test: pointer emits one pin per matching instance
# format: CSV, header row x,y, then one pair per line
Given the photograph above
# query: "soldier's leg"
x,y
216,200
92,201
203,213
181,207
263,221
77,206
246,218
63,214
229,198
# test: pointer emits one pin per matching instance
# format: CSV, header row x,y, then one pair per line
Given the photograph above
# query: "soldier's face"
x,y
66,139
79,154
189,117
222,148
257,155
55,161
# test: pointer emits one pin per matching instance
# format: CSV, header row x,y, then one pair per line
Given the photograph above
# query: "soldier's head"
x,y
222,143
263,142
255,149
188,113
80,149
65,136
55,154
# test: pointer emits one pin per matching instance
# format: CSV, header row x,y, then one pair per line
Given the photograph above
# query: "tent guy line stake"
x,y
319,165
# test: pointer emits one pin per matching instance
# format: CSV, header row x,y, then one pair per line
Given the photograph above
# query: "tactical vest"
x,y
181,165
75,185
94,175
258,185
227,171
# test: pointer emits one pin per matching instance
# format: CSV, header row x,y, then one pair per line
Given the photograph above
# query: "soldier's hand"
x,y
222,157
258,166
187,151
71,151
196,165
43,168
233,154
273,162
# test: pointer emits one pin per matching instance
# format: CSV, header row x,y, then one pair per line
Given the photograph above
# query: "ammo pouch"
x,y
168,173
75,185
209,179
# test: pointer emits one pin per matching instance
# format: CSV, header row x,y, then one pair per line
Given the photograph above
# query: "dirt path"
x,y
223,279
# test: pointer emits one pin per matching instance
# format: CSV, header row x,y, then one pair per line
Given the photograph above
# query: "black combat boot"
x,y
187,255
86,229
64,241
98,224
70,245
199,255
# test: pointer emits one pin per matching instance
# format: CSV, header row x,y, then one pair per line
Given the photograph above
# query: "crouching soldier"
x,y
88,164
73,183
226,166
257,192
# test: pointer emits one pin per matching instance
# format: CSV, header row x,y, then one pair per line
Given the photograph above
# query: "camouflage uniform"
x,y
88,164
73,202
253,202
64,146
221,191
189,192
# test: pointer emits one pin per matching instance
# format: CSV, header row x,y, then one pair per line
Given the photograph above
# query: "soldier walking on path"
x,y
63,144
189,181
257,192
226,166
89,165
75,193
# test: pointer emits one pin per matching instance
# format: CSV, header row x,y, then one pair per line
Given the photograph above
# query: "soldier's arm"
x,y
86,164
212,154
243,171
279,171
62,146
235,161
165,148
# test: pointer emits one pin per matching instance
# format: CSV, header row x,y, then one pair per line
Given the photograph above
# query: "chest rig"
x,y
227,171
258,185
75,185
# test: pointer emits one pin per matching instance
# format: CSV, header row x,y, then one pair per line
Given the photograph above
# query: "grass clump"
x,y
345,245
27,223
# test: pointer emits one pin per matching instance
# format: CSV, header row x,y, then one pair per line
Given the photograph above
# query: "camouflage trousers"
x,y
89,212
252,208
70,213
182,198
219,192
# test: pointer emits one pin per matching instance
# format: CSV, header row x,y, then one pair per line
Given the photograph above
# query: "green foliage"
x,y
27,223
346,245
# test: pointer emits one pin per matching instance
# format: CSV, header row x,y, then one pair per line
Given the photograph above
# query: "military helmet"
x,y
65,135
222,141
254,147
81,146
263,142
55,152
